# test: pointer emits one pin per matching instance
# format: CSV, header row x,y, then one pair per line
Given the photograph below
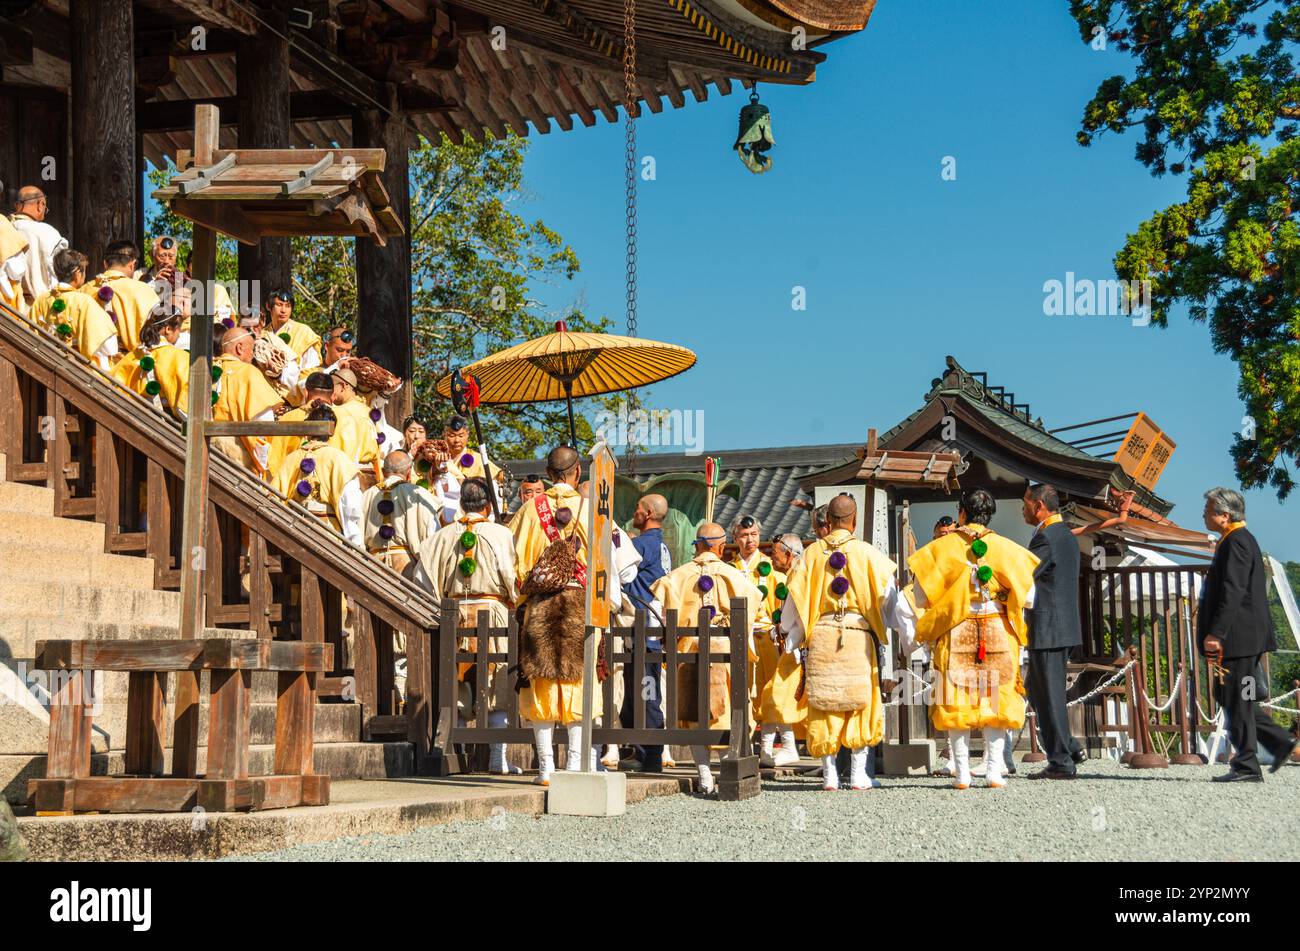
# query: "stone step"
x,y
28,499
45,531
337,760
78,603
20,633
27,563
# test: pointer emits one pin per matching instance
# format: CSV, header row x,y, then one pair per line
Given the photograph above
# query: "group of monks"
x,y
423,504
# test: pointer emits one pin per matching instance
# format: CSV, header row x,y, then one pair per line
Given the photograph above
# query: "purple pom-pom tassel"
x,y
376,416
304,488
105,293
563,517
386,532
840,586
308,466
385,507
466,460
705,583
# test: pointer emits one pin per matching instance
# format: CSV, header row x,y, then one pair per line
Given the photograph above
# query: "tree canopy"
x,y
1215,92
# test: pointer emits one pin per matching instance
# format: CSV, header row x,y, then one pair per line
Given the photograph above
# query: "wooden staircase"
x,y
90,476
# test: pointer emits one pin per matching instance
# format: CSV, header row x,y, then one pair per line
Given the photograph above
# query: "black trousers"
x,y
1046,687
1248,725
647,686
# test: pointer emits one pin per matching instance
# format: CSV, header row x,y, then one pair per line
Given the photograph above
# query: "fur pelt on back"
x,y
550,643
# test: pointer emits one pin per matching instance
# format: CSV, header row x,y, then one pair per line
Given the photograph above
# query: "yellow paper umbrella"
x,y
562,365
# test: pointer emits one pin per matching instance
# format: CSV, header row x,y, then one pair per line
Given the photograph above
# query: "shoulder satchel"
x,y
558,564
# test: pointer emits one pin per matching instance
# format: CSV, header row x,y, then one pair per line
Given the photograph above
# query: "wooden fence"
x,y
727,645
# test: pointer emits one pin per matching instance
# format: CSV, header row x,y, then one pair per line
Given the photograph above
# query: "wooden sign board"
x,y
602,575
1145,451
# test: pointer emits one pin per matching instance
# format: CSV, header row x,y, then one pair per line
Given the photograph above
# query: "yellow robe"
x,y
301,339
282,446
774,677
132,303
942,571
679,590
359,437
472,471
244,394
869,573
171,371
90,325
546,700
333,471
12,241
221,305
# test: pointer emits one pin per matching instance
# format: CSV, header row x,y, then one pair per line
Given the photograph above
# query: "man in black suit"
x,y
1053,628
1235,629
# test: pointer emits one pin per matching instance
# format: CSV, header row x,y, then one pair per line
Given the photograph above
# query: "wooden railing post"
x,y
443,760
739,777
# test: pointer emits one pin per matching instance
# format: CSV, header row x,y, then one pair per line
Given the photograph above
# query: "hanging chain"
x,y
630,111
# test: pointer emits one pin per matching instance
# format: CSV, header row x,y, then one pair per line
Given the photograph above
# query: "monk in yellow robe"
x,y
745,532
359,437
318,388
158,369
324,481
972,587
127,302
73,317
706,582
554,621
242,395
305,343
842,597
778,701
13,266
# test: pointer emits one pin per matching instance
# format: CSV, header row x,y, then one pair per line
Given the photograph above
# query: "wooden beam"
x,y
333,72
223,13
411,9
323,428
177,115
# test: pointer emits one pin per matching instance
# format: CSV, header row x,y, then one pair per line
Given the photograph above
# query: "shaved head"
x,y
562,462
656,505
715,538
840,508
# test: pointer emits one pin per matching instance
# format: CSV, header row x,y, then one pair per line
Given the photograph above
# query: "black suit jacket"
x,y
1234,601
1054,618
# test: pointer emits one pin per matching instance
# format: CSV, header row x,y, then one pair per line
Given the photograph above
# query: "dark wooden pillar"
x,y
263,88
102,35
384,273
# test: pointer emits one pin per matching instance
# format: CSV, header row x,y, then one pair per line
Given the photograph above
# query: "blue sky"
x,y
900,267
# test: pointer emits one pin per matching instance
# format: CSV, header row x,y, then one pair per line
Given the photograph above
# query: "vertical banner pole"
x,y
601,578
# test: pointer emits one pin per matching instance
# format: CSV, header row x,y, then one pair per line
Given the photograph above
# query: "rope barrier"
x,y
1103,685
1173,695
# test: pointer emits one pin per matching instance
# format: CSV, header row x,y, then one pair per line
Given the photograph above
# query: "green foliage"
x,y
1216,93
477,269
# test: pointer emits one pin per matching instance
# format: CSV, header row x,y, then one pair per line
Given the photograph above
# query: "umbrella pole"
x,y
487,469
568,395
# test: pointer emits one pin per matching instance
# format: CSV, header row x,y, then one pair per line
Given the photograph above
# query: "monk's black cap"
x,y
456,423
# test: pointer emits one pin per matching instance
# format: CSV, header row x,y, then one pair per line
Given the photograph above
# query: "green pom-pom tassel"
x,y
216,374
147,364
284,337
215,397
979,548
468,539
467,566
985,574
64,330
762,589
423,483
58,305
776,616
782,592
423,465
765,569
152,388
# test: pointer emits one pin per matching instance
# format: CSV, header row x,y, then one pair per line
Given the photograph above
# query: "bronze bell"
x,y
755,136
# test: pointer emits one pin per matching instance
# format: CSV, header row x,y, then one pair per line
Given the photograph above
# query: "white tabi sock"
x,y
959,740
858,777
497,751
573,758
830,776
545,736
769,739
994,743
789,750
701,756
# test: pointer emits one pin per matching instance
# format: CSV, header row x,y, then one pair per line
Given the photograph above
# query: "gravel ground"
x,y
1110,814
